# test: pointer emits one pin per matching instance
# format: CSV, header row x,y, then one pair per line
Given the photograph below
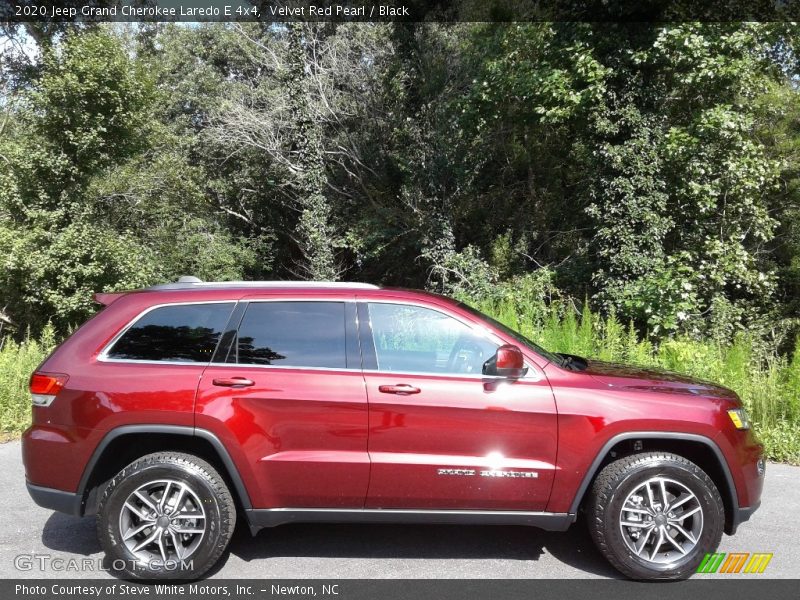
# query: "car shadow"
x,y
74,535
574,547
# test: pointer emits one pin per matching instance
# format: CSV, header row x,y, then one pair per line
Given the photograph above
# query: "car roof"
x,y
218,290
193,283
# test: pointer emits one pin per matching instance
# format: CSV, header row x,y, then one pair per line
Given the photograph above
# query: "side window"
x,y
421,340
292,334
179,333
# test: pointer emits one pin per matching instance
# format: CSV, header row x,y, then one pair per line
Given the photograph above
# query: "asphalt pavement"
x,y
37,543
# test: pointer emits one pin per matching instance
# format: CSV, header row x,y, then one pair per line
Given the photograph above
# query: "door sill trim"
x,y
270,517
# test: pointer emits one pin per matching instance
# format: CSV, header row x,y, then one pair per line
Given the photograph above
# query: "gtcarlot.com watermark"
x,y
57,564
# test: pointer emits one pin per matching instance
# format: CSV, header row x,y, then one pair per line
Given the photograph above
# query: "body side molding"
x,y
271,517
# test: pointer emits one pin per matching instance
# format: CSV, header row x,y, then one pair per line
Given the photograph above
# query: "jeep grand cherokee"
x,y
181,408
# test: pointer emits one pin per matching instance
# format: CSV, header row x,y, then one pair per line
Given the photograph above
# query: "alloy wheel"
x,y
661,520
162,520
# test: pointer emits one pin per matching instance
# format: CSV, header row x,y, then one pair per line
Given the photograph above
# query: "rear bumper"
x,y
58,500
55,456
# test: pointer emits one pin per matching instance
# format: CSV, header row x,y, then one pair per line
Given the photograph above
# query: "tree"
x,y
648,168
92,195
300,106
679,204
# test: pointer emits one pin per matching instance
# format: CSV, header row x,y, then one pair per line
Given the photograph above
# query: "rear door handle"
x,y
400,388
234,382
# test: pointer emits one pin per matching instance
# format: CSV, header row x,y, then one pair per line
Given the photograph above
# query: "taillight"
x,y
45,386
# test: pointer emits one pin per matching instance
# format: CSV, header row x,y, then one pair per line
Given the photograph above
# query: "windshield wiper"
x,y
571,362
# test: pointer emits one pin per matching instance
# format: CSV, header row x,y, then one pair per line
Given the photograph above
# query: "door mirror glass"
x,y
507,362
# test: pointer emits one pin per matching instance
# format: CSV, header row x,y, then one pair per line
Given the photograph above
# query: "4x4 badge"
x,y
496,473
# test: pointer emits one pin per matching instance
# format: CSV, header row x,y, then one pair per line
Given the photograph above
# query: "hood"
x,y
630,377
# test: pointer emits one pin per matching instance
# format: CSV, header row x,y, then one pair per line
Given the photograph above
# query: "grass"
x,y
17,362
768,384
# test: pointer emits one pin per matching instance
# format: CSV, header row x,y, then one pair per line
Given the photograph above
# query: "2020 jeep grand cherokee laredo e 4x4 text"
x,y
180,408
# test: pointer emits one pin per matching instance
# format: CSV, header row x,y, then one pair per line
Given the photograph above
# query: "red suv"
x,y
179,408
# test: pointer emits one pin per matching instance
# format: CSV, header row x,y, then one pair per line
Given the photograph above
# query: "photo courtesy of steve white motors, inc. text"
x,y
181,589
210,11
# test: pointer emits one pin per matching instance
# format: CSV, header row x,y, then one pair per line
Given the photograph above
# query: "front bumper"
x,y
755,473
742,514
59,500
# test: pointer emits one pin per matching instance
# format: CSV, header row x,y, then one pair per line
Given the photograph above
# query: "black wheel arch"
x,y
714,464
106,457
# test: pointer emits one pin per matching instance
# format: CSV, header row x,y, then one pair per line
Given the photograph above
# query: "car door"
x,y
286,388
442,435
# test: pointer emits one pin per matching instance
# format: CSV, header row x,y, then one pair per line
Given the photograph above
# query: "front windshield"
x,y
552,357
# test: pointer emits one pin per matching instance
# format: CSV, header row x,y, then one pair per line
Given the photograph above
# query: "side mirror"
x,y
507,362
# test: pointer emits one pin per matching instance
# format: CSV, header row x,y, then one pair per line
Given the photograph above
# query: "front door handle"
x,y
234,382
400,388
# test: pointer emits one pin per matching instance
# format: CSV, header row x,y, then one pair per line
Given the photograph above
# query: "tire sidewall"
x,y
122,560
713,520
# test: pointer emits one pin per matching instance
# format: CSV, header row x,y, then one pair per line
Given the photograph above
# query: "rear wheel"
x,y
165,516
655,515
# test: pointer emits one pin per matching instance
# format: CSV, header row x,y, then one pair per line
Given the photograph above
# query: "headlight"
x,y
739,418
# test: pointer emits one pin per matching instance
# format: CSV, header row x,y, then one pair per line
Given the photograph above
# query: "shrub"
x,y
767,383
17,362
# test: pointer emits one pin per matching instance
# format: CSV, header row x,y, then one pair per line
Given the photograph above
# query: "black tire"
x,y
621,477
207,486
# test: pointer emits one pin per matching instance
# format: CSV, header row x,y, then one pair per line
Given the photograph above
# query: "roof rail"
x,y
187,282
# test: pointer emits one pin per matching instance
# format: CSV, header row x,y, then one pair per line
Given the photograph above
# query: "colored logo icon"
x,y
735,562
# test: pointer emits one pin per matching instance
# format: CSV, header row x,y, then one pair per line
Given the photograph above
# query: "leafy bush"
x,y
769,385
17,362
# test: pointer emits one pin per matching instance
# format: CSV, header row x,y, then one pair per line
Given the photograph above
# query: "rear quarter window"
x,y
176,333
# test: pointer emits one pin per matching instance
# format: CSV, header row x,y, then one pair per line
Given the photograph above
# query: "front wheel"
x,y
165,516
655,515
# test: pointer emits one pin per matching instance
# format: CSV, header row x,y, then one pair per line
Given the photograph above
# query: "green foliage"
x,y
89,108
97,195
767,384
682,213
782,442
17,361
637,184
55,270
778,127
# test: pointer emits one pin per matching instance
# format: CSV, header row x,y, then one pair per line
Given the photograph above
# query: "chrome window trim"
x,y
103,356
443,375
369,371
152,362
282,367
532,375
